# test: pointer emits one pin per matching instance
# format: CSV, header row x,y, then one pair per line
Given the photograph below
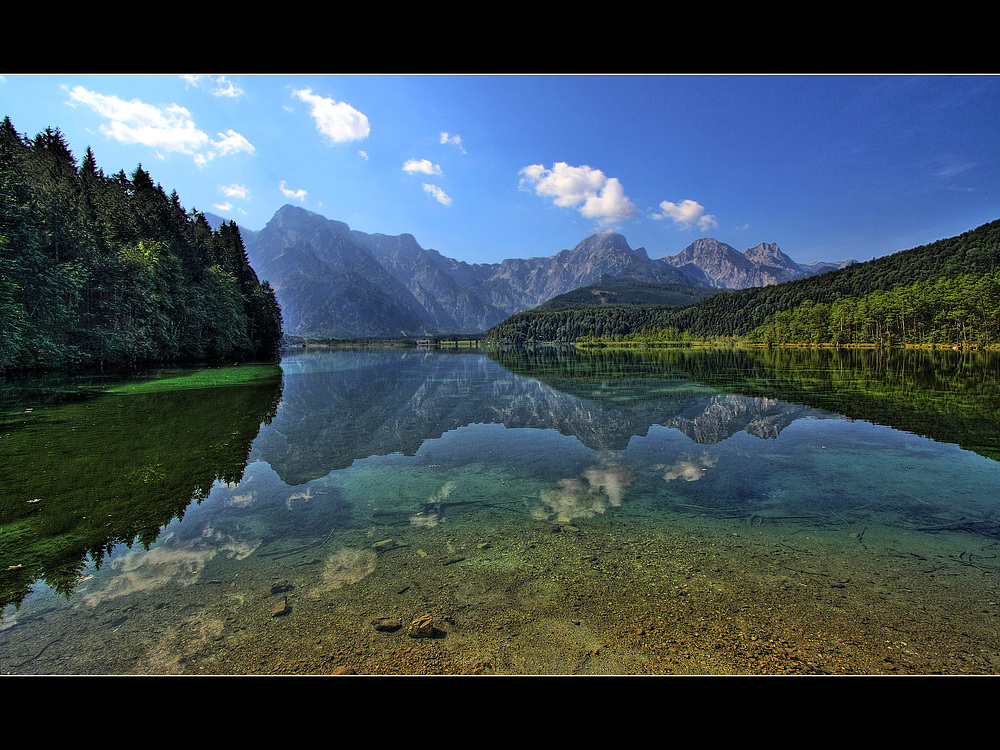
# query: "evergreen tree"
x,y
110,270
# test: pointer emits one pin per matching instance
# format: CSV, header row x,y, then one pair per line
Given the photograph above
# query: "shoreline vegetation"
x,y
306,343
590,342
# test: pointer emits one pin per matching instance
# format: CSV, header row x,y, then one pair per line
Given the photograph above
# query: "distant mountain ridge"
x,y
335,282
716,264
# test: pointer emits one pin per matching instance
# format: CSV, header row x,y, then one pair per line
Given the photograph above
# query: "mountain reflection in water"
x,y
531,504
338,408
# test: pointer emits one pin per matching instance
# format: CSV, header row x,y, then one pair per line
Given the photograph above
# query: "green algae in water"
x,y
78,478
213,377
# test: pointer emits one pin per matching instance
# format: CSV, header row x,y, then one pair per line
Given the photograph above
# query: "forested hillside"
x,y
950,282
961,311
109,270
626,291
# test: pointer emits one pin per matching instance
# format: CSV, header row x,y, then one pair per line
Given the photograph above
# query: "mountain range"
x,y
335,282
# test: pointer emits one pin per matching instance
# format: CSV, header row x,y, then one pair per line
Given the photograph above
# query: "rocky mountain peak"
x,y
704,249
768,254
722,266
602,242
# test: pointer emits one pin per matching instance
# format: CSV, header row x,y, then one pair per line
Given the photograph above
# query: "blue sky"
x,y
487,167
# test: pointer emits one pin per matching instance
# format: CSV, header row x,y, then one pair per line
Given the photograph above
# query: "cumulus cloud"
x,y
594,194
687,213
437,193
166,128
297,194
421,165
338,121
236,191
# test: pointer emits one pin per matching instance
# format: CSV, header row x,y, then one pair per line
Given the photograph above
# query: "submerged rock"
x,y
423,627
282,608
387,624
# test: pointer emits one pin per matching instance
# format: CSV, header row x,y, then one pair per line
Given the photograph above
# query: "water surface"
x,y
683,511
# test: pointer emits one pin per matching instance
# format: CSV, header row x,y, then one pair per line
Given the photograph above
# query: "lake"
x,y
543,511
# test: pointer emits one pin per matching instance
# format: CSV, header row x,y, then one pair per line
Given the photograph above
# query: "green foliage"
x,y
98,270
594,325
962,311
623,291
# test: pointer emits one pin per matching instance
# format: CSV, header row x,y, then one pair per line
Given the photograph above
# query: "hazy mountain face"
x,y
719,265
335,282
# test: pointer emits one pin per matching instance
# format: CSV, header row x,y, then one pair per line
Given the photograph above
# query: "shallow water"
x,y
537,512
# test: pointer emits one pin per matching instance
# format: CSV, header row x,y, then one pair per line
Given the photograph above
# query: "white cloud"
x,y
168,128
421,165
297,194
236,191
686,213
226,88
457,140
223,206
229,142
596,195
220,86
338,121
437,193
363,154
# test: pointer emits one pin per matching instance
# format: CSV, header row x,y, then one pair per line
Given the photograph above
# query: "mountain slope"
x,y
326,284
332,281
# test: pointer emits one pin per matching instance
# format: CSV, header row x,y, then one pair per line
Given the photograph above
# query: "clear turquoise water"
x,y
680,513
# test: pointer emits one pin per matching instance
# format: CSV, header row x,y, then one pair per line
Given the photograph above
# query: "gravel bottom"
x,y
610,598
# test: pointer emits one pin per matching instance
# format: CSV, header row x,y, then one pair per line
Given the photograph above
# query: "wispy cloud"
x,y
226,88
232,142
223,206
217,85
453,139
590,191
338,121
687,213
166,128
437,193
